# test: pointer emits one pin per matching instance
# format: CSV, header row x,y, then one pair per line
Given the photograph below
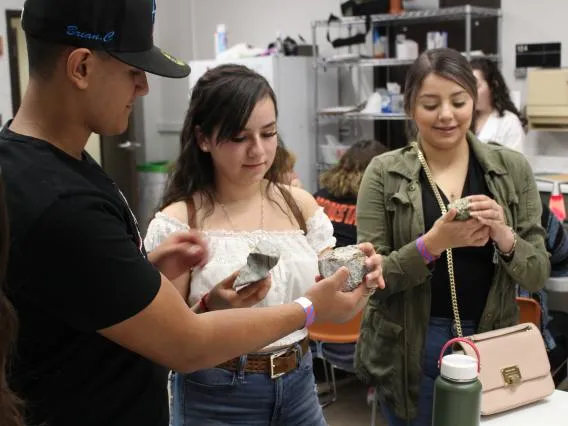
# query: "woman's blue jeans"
x,y
218,397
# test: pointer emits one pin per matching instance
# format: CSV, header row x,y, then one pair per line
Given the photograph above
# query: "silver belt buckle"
x,y
278,354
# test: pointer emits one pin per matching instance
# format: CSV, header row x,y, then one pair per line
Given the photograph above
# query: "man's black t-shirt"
x,y
77,265
342,213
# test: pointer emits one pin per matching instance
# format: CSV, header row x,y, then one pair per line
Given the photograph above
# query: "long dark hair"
x,y
9,403
344,179
446,63
221,103
500,96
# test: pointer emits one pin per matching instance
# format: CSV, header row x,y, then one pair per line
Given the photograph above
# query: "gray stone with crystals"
x,y
349,256
260,261
462,207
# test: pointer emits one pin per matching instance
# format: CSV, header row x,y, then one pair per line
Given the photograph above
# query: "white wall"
x,y
167,102
526,21
256,21
186,28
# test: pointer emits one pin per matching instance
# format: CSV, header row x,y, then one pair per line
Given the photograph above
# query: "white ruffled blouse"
x,y
294,273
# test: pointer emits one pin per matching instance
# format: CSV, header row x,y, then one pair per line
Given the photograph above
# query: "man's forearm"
x,y
230,333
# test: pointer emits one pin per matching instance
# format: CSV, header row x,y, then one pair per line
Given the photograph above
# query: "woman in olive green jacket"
x,y
401,210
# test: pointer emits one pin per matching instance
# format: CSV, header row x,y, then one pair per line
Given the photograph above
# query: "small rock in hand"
x,y
349,256
260,261
462,207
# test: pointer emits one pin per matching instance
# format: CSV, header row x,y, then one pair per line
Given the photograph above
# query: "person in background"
x,y
9,403
497,119
557,246
506,126
400,211
227,183
100,321
338,197
339,188
556,243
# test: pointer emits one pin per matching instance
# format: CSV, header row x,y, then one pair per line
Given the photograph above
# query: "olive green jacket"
x,y
390,216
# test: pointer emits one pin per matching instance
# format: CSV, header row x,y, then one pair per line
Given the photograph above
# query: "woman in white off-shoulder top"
x,y
228,168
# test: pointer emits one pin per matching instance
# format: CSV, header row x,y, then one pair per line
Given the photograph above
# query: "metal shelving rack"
x,y
466,13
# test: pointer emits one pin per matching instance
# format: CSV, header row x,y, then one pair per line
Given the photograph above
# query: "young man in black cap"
x,y
98,320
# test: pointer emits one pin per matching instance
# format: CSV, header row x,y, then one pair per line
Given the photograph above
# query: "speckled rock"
x,y
260,261
351,257
462,206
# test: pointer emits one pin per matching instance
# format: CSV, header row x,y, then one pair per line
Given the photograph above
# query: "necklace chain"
x,y
226,213
449,254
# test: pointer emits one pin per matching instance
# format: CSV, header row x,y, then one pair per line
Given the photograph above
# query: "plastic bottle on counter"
x,y
221,42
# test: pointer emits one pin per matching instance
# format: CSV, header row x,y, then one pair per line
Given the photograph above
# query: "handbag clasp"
x,y
511,375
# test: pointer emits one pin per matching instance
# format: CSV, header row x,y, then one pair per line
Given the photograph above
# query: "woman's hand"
x,y
487,212
449,233
224,296
374,279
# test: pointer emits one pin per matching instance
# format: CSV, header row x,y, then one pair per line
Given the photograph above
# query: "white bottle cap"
x,y
459,368
221,28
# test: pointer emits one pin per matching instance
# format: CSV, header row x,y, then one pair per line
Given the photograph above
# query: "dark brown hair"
x,y
500,96
344,179
221,103
446,63
289,158
9,403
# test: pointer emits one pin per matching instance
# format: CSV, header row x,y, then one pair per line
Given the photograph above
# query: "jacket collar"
x,y
488,156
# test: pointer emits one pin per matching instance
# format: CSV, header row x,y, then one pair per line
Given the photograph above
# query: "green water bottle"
x,y
457,390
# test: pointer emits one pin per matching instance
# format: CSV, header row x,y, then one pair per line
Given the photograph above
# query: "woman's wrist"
x,y
424,251
431,244
506,241
202,306
309,310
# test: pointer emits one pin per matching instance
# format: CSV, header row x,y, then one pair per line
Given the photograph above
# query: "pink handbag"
x,y
515,370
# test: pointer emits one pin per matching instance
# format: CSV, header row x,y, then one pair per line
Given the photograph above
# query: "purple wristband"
x,y
429,258
309,310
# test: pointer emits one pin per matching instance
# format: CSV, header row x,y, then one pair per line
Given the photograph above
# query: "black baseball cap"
x,y
122,28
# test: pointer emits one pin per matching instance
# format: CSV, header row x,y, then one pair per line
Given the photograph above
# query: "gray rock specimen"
x,y
462,206
349,256
260,261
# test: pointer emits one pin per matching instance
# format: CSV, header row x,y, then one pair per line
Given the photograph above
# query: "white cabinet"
x,y
292,79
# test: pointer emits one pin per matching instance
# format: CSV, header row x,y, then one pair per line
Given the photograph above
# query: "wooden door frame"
x,y
12,41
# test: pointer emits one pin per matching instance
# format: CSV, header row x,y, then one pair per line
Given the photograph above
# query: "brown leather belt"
x,y
274,364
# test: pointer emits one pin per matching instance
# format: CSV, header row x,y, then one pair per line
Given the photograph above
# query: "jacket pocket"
x,y
379,350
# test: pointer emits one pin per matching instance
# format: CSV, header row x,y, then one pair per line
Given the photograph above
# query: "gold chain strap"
x,y
449,250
